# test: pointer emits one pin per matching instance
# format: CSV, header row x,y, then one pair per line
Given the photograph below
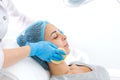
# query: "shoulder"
x,y
100,69
100,72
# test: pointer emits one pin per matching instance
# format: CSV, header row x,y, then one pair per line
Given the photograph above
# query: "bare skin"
x,y
53,35
12,56
63,68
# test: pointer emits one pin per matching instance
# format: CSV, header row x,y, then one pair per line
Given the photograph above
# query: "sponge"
x,y
64,56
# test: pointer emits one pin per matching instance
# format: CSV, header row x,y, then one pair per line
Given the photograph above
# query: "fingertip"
x,y
57,57
53,45
61,52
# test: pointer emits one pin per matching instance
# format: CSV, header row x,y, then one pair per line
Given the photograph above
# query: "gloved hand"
x,y
46,51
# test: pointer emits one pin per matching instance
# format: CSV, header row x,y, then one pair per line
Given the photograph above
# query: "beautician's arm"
x,y
12,56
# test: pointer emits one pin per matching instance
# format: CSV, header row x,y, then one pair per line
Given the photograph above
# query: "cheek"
x,y
58,43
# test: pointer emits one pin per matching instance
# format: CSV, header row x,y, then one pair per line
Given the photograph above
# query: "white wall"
x,y
93,27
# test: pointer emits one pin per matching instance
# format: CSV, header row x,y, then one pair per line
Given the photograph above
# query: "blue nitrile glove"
x,y
46,51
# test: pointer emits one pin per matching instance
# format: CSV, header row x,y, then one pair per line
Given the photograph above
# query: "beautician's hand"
x,y
46,51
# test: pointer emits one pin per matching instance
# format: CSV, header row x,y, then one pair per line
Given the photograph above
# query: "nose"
x,y
63,37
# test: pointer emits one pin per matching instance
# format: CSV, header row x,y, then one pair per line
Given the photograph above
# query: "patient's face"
x,y
53,35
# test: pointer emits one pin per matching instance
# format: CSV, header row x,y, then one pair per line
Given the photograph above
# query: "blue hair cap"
x,y
33,33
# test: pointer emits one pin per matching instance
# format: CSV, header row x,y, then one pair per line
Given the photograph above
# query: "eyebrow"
x,y
53,32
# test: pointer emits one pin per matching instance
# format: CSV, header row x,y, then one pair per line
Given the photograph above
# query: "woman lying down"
x,y
60,70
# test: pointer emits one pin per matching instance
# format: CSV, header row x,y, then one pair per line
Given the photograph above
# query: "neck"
x,y
58,69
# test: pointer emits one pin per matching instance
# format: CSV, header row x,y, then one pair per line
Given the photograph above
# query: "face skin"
x,y
53,35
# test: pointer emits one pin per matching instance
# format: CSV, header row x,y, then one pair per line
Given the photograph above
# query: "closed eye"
x,y
54,36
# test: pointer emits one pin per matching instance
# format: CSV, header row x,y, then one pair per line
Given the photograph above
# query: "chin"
x,y
67,51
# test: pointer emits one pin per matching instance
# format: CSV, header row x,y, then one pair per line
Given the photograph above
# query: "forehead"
x,y
50,28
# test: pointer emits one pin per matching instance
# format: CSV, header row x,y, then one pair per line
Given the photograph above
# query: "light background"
x,y
93,27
